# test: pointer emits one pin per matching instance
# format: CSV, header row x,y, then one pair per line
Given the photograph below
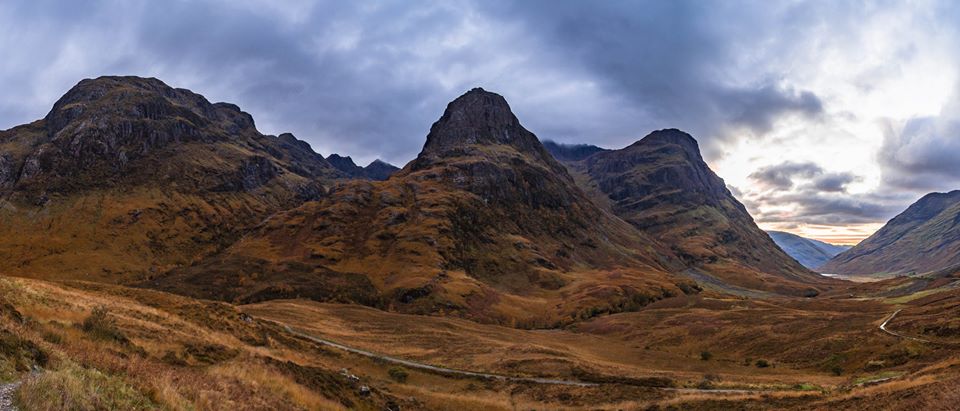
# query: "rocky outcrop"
x,y
924,238
8,171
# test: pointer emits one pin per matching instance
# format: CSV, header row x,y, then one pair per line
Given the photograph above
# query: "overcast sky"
x,y
826,118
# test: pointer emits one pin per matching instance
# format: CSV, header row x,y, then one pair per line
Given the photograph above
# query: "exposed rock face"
x,y
126,177
476,120
301,159
924,238
345,164
484,224
809,252
663,187
8,173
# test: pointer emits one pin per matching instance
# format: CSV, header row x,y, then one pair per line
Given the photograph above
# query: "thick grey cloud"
x,y
673,59
782,176
368,79
924,154
835,182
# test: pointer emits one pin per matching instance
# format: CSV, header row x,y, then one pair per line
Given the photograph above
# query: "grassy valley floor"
x,y
93,346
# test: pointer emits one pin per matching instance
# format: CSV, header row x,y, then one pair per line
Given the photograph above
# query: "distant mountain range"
x,y
376,170
809,252
924,238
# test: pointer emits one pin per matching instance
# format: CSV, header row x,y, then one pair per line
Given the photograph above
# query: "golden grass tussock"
x,y
72,387
274,382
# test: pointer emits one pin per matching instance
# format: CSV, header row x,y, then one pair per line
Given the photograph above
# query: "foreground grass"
x,y
97,349
76,388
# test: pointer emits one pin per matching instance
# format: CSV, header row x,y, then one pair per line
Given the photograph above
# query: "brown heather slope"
x,y
484,224
663,187
127,177
924,238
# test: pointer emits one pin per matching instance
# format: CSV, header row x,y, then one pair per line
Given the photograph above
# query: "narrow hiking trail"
x,y
442,370
499,377
883,327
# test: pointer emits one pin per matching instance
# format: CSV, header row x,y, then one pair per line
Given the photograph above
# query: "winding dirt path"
x,y
442,370
499,377
883,327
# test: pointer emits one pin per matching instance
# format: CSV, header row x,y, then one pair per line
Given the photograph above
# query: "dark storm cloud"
x,y
672,58
782,176
835,182
368,79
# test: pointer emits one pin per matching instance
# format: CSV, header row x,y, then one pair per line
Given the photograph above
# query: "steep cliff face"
x,y
127,176
484,224
662,186
925,237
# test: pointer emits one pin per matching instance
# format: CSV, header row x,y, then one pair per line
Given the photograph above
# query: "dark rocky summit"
x,y
476,121
126,131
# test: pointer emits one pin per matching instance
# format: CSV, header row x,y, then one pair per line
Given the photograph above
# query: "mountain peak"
x,y
478,117
112,98
672,136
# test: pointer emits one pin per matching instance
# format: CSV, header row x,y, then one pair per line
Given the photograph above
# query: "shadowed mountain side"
x,y
663,187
